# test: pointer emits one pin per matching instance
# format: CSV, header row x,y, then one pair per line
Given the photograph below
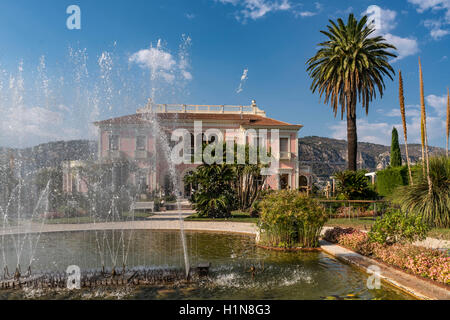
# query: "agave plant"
x,y
423,126
405,129
448,118
417,199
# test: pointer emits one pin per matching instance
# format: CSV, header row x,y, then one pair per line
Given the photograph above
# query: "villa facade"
x,y
133,138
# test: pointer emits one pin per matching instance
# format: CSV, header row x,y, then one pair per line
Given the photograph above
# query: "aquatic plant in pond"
x,y
291,219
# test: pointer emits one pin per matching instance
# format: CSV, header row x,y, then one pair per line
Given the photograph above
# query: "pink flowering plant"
x,y
425,262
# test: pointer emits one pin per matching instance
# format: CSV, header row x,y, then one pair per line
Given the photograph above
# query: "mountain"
x,y
327,156
50,154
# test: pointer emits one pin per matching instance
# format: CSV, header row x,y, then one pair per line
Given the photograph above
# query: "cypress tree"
x,y
396,155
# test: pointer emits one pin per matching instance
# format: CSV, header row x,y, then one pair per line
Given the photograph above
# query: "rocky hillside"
x,y
50,154
327,156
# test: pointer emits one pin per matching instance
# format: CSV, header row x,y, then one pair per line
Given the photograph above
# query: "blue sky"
x,y
54,81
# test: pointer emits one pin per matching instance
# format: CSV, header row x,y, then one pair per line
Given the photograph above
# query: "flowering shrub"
x,y
332,235
428,263
357,241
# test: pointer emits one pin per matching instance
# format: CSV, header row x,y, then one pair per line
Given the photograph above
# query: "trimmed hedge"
x,y
391,178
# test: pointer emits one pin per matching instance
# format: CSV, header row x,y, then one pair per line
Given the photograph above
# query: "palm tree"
x,y
349,67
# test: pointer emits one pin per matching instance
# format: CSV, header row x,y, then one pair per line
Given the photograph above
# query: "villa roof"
x,y
245,120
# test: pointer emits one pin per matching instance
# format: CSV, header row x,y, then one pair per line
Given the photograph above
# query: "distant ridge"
x,y
327,155
50,154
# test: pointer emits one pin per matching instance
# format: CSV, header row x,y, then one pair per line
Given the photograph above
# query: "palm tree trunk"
x,y
352,139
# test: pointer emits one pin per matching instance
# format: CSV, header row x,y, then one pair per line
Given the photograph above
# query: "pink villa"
x,y
132,138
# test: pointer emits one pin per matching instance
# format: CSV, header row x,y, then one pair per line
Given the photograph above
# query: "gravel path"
x,y
169,220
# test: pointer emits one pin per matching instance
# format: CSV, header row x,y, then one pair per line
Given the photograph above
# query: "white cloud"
x,y
384,21
304,14
434,5
255,9
439,103
411,112
367,132
439,27
380,132
162,64
154,59
23,123
405,46
190,16
244,78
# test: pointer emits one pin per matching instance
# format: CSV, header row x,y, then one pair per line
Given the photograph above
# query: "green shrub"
x,y
215,198
354,185
391,178
396,227
291,219
432,205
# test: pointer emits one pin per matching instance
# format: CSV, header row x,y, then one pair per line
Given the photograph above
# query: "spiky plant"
x,y
425,157
448,118
433,206
350,67
405,129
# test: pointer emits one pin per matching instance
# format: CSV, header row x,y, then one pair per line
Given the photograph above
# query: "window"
x,y
141,143
284,148
284,181
114,142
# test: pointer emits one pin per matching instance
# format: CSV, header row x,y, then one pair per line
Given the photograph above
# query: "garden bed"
x,y
425,263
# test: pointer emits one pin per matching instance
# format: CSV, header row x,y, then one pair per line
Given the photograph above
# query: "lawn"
x,y
127,216
74,220
360,223
236,216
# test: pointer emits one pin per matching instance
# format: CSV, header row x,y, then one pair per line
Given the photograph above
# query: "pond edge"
x,y
410,284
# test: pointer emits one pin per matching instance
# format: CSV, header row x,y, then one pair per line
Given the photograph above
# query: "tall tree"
x,y
396,155
349,67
